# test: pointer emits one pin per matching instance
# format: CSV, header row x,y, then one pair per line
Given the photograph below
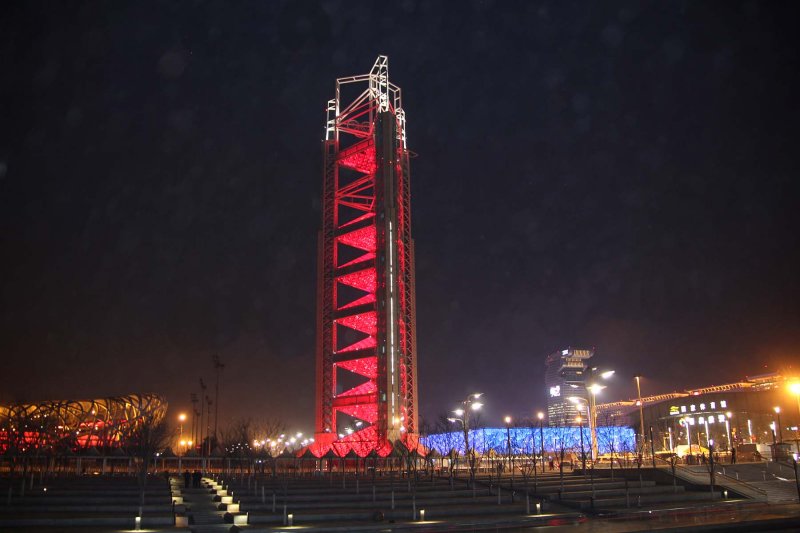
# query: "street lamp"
x,y
470,403
181,419
794,388
728,416
641,408
579,420
580,403
507,420
540,416
594,389
685,423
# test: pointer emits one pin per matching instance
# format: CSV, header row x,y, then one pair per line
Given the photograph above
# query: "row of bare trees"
x,y
247,438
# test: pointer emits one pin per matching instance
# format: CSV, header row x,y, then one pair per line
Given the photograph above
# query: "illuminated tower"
x,y
366,324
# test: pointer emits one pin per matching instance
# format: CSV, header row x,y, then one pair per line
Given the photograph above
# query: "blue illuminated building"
x,y
527,440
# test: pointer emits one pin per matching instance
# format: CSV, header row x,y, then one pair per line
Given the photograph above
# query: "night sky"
x,y
616,175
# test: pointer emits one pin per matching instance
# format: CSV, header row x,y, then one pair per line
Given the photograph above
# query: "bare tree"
x,y
527,448
268,428
564,444
237,441
147,436
445,438
472,453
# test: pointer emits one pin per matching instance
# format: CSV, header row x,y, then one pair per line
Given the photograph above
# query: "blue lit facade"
x,y
527,440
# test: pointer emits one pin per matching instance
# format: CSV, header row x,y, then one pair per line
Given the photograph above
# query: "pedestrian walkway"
x,y
777,480
202,511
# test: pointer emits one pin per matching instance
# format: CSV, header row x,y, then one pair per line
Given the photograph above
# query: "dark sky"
x,y
617,175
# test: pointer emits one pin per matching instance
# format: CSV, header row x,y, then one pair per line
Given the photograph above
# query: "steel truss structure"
x,y
105,422
366,391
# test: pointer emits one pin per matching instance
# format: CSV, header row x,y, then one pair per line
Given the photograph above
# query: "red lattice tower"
x,y
366,323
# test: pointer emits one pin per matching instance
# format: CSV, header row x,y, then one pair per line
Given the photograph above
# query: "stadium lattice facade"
x,y
79,424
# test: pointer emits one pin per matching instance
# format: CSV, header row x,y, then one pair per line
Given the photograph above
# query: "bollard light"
x,y
539,508
422,515
138,523
289,519
725,493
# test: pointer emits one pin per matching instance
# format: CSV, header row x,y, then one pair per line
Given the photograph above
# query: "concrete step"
x,y
215,528
365,495
633,491
778,491
640,500
126,521
132,509
380,504
205,518
360,514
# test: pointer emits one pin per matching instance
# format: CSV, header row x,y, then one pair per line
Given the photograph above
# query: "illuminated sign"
x,y
673,410
555,391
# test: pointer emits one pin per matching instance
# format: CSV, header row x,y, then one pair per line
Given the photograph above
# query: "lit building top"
x,y
758,383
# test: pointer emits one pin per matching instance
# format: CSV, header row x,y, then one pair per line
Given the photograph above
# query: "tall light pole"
x,y
181,419
580,403
778,416
540,416
579,420
641,408
209,401
471,403
507,420
593,389
218,367
728,416
685,423
794,388
671,447
202,411
195,414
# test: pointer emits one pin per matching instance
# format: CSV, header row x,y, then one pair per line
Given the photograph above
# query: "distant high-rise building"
x,y
565,377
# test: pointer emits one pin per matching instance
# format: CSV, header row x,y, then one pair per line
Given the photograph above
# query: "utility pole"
x,y
218,367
